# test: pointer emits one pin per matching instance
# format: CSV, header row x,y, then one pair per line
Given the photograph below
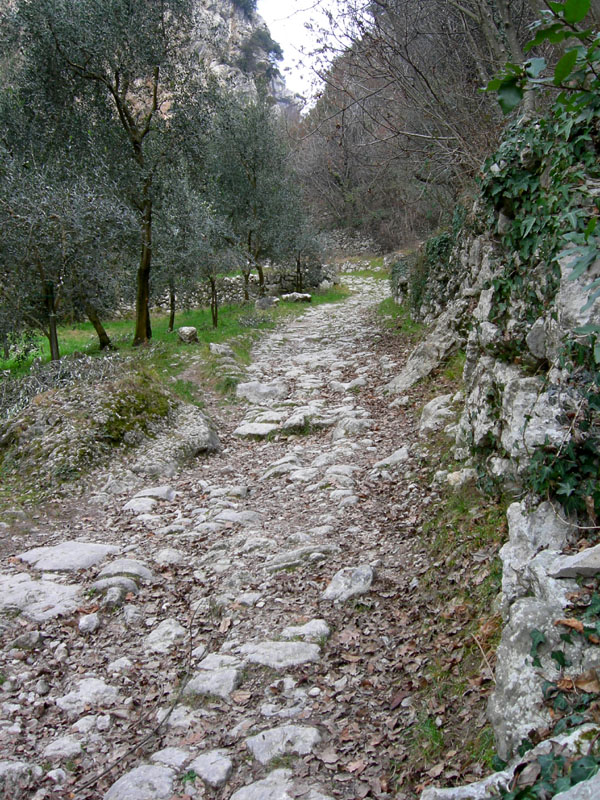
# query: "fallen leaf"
x,y
356,766
225,625
576,624
329,756
588,682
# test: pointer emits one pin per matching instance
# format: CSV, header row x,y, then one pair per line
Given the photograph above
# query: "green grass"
x,y
397,318
239,322
453,369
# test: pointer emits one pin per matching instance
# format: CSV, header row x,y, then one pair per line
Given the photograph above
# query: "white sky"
x,y
286,20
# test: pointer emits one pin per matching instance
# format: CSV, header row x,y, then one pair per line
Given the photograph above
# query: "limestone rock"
x,y
586,790
280,655
92,692
516,706
68,556
18,779
127,567
169,556
314,630
88,623
436,414
187,335
37,600
255,430
296,297
399,456
168,633
300,739
428,354
158,493
64,748
586,563
261,393
143,783
348,582
218,682
530,532
171,757
213,767
140,505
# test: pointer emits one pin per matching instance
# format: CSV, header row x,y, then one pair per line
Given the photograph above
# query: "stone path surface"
x,y
227,632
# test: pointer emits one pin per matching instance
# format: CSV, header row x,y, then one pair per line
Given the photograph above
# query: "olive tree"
x,y
61,247
251,180
128,70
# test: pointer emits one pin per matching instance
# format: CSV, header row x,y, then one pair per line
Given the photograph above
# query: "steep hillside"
x,y
511,286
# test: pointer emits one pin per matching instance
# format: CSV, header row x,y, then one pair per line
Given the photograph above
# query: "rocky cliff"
x,y
506,285
236,44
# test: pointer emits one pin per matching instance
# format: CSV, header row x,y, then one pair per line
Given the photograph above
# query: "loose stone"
x,y
67,556
213,767
143,783
349,582
280,655
298,739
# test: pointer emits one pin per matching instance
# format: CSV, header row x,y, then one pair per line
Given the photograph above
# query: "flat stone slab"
x,y
18,776
300,739
291,558
238,517
171,757
399,456
349,582
280,655
274,787
140,505
586,563
37,600
278,785
260,393
90,692
66,747
158,493
255,430
218,682
315,629
129,567
168,556
219,661
147,782
68,556
213,767
164,636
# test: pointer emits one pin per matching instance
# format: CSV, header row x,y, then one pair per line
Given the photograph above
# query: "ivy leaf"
x,y
535,67
583,769
537,638
561,660
564,67
510,95
576,10
554,34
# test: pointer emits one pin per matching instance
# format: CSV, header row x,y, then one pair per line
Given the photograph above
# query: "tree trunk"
x,y
214,302
103,337
261,279
299,274
246,281
52,333
143,329
171,305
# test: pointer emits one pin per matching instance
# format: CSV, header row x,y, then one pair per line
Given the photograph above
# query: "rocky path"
x,y
238,630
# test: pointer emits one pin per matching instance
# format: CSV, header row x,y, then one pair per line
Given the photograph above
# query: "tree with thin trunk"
x,y
60,242
129,69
